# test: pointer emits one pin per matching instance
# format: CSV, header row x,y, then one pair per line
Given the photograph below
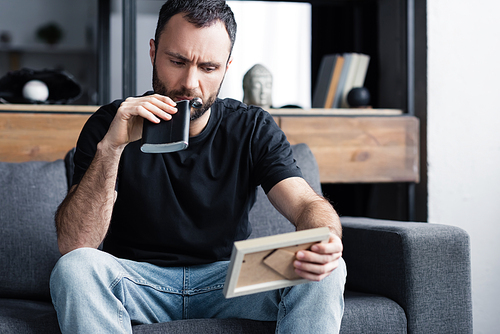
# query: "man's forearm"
x,y
319,213
301,205
82,219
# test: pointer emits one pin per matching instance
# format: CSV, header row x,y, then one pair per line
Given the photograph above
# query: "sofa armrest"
x,y
424,267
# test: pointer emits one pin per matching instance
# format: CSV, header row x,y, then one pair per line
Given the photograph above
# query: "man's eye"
x,y
210,69
177,63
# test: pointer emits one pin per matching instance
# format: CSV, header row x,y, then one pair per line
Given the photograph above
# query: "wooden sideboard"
x,y
351,146
365,146
40,132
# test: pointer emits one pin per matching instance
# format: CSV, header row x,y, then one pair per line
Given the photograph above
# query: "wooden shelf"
x,y
47,108
336,112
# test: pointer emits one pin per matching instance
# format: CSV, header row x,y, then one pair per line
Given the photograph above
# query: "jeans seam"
x,y
283,305
185,298
119,278
120,316
192,292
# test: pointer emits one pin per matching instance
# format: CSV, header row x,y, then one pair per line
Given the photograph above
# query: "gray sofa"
x,y
402,277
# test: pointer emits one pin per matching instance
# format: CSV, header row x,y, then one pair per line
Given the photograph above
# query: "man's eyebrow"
x,y
210,64
177,55
186,60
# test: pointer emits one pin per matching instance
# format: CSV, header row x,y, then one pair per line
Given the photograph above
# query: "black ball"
x,y
358,97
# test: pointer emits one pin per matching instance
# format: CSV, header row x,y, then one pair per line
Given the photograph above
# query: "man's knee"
x,y
76,261
334,284
331,286
82,266
339,275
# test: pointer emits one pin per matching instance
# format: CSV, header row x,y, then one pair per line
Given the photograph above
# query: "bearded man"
x,y
167,222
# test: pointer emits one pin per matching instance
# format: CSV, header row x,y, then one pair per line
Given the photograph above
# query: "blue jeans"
x,y
94,292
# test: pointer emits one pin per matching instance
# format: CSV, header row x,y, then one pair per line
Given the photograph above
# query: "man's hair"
x,y
201,13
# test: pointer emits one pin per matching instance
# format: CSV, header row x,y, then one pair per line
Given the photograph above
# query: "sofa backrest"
x,y
29,195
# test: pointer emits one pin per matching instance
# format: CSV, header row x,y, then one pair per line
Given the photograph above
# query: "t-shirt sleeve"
x,y
271,152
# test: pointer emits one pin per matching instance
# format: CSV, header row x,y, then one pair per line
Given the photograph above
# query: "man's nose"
x,y
190,80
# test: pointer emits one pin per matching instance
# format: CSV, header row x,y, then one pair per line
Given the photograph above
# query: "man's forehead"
x,y
179,33
180,21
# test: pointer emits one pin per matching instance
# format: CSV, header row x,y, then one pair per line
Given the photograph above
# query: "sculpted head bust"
x,y
257,86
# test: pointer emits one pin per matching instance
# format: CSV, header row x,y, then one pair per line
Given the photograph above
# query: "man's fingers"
x,y
318,262
309,276
334,245
164,103
127,124
308,256
313,271
152,108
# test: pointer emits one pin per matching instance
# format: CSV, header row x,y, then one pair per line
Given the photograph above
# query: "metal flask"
x,y
169,136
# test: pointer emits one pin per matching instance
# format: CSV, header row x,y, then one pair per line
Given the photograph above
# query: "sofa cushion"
x,y
367,313
364,313
30,193
208,326
27,317
264,218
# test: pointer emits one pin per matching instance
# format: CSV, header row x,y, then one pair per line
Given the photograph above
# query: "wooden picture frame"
x,y
266,263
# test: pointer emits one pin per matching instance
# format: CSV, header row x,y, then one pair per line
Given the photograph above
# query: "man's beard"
x,y
160,88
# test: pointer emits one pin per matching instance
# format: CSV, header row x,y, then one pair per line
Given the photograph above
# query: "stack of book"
x,y
338,74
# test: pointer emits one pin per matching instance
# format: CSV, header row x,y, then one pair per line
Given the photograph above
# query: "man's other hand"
x,y
318,262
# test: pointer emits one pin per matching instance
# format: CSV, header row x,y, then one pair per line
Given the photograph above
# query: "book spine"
x,y
339,64
323,81
342,81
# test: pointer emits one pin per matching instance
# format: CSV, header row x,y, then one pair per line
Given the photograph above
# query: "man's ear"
x,y
229,62
152,51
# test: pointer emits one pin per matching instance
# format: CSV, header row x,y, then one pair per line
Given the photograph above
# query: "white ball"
x,y
36,90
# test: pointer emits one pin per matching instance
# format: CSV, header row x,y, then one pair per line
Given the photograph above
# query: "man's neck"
x,y
198,125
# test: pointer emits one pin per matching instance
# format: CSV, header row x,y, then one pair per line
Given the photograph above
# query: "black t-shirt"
x,y
188,207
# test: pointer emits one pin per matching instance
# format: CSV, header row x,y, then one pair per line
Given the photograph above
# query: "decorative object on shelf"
x,y
257,86
358,97
355,76
50,33
61,86
36,90
337,75
290,106
5,37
